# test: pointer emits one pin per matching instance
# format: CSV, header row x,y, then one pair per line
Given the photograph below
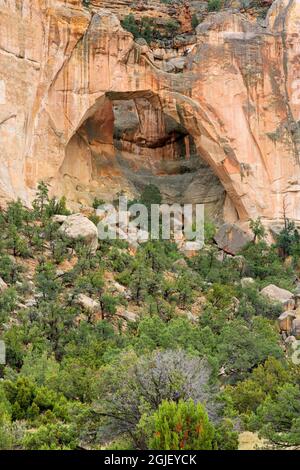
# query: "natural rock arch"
x,y
235,97
188,116
128,140
125,70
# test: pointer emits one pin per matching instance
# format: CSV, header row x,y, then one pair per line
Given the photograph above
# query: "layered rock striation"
x,y
89,110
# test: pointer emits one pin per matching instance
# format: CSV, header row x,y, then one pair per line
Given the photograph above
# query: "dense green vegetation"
x,y
214,5
202,361
147,29
182,425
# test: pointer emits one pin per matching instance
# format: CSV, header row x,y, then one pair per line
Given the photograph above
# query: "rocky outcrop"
x,y
87,303
296,328
230,112
127,315
78,227
3,285
231,239
285,320
282,296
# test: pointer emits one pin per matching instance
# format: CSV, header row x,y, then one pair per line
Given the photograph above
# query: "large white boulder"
x,y
276,294
77,226
128,315
87,303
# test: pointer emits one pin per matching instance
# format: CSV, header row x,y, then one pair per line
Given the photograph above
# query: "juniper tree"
x,y
181,425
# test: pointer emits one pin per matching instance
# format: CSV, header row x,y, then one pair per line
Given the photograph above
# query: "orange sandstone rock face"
x,y
85,108
159,10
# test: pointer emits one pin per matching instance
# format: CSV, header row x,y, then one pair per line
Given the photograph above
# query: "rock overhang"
x,y
91,58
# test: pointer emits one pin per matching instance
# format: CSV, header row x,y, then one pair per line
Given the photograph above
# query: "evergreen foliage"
x,y
204,352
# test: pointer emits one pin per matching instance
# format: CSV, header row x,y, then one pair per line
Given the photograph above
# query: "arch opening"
x,y
129,141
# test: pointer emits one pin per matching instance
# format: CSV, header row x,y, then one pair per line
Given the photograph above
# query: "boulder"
x,y
240,262
191,248
191,317
285,320
220,256
126,293
296,328
3,285
30,286
59,219
60,272
297,312
178,63
168,67
29,303
77,226
297,300
282,296
290,340
128,316
118,287
87,303
232,238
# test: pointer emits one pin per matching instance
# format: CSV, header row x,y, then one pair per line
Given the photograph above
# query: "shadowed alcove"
x,y
127,142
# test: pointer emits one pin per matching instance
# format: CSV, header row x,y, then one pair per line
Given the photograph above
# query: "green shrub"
x,y
172,26
195,21
8,302
214,5
6,438
151,195
278,418
129,23
143,29
98,202
57,206
181,426
51,437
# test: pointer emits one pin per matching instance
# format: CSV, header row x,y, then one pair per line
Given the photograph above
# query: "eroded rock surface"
x,y
276,294
231,239
223,127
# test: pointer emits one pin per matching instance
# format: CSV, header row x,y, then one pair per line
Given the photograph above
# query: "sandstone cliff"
x,y
211,119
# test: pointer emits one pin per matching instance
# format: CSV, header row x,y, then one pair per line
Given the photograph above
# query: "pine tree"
x,y
41,199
